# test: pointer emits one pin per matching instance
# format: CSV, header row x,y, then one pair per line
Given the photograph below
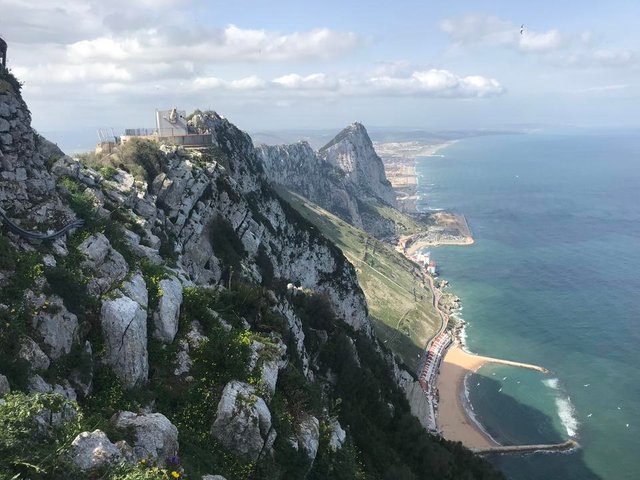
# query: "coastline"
x,y
448,364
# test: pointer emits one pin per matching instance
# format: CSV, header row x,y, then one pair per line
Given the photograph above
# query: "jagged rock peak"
x,y
352,151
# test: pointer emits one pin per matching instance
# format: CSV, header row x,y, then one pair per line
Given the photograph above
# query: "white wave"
x,y
567,414
552,383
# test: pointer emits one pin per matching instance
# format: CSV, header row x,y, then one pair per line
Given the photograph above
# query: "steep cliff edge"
x,y
196,324
347,178
352,151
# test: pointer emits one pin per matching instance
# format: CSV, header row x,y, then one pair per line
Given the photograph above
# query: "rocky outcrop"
x,y
155,437
352,152
93,450
299,168
165,320
308,436
243,421
4,386
33,355
27,189
269,359
108,265
213,477
124,327
337,436
313,175
56,326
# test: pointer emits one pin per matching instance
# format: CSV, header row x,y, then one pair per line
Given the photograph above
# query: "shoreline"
x,y
448,364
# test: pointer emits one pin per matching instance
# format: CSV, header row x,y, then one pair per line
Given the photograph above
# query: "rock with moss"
x,y
124,328
154,437
93,450
243,421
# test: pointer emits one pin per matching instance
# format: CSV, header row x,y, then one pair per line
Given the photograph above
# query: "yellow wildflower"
x,y
175,474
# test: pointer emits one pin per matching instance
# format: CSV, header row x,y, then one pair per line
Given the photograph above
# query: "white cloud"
x,y
231,44
541,42
561,49
604,88
425,83
437,83
315,81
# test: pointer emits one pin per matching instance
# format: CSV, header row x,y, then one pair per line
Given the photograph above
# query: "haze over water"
x,y
553,279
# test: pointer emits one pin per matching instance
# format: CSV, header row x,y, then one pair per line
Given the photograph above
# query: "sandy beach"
x,y
453,419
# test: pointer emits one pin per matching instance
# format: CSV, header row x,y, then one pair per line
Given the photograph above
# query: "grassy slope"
x,y
387,278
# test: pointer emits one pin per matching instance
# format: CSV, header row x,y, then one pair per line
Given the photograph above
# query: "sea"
x,y
553,279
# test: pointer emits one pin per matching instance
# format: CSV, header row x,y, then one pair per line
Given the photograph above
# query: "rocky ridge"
x,y
345,177
196,318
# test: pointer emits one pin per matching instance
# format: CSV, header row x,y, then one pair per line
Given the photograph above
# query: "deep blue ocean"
x,y
553,279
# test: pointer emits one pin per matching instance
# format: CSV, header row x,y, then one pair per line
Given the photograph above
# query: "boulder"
x,y
155,437
213,477
337,436
58,328
91,450
269,358
243,421
165,319
124,327
108,265
136,289
4,386
33,354
309,436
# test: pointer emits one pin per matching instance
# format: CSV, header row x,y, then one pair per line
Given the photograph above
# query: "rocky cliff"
x,y
353,153
345,177
195,324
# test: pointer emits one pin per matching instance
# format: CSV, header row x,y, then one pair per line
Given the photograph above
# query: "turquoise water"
x,y
554,280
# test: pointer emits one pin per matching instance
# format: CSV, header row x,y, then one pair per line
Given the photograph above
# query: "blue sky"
x,y
286,64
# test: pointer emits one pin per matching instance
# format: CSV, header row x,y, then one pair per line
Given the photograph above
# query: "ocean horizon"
x,y
551,280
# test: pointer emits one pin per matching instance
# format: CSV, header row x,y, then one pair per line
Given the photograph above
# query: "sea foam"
x,y
566,411
567,414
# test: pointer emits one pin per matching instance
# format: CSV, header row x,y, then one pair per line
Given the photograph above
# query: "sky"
x,y
315,65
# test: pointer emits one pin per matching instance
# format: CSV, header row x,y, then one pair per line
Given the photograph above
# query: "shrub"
x,y
142,158
225,242
30,443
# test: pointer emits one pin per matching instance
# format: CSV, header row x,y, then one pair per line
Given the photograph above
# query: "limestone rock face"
x,y
165,320
309,436
301,170
270,359
243,421
27,188
156,438
4,386
109,266
90,450
136,290
58,328
337,436
124,326
33,354
353,153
